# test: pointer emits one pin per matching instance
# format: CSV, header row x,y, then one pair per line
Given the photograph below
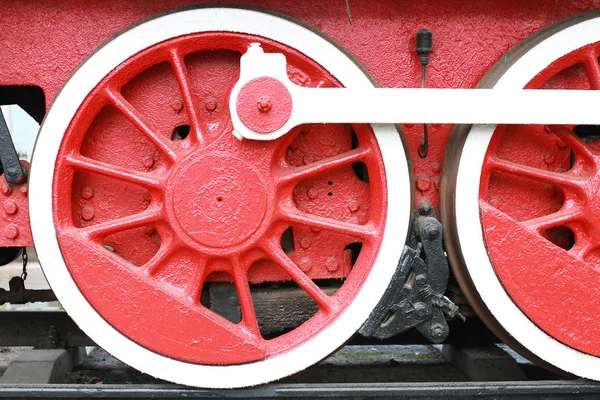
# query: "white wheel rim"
x,y
469,227
90,73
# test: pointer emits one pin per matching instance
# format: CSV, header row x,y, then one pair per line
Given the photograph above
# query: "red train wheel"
x,y
152,196
523,202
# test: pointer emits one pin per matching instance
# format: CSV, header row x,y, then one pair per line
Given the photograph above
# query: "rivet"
x,y
305,264
149,162
549,158
6,189
210,104
10,207
423,184
332,264
11,232
436,167
177,106
87,213
315,229
24,189
312,193
264,104
305,243
353,205
308,159
87,192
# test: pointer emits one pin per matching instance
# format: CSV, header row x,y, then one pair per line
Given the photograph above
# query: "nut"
x,y
11,232
420,309
332,264
305,264
305,243
10,207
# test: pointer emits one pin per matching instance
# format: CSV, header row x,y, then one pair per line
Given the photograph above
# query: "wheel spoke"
x,y
315,292
555,178
563,217
194,287
572,141
181,74
592,68
295,216
300,173
138,220
113,171
121,104
165,251
240,277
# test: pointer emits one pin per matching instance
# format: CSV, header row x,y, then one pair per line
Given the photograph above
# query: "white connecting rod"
x,y
401,105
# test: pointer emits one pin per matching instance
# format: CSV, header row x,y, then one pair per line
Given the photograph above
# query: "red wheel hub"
x,y
154,198
540,209
219,200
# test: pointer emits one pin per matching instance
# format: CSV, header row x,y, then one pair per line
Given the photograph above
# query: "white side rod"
x,y
432,106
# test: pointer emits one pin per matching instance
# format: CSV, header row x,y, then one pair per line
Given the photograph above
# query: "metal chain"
x,y
24,256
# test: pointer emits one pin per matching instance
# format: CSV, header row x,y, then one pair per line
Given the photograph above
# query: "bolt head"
x,y
210,104
11,232
421,279
149,162
305,243
437,331
332,264
264,104
87,213
423,184
353,205
420,309
10,207
6,188
87,192
305,264
312,193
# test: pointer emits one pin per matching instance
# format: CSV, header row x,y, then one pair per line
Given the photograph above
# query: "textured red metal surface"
x,y
49,39
264,104
540,210
14,214
154,210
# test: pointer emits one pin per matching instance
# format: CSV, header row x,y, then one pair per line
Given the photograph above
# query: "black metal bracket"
x,y
13,170
415,296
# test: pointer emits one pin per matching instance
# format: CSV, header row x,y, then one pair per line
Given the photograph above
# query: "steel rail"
x,y
450,391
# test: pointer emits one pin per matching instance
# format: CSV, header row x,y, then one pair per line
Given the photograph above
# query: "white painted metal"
x,y
398,105
94,69
468,220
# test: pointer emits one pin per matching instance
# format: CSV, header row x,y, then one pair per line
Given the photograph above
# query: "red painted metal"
x,y
264,104
47,45
14,213
540,211
208,206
